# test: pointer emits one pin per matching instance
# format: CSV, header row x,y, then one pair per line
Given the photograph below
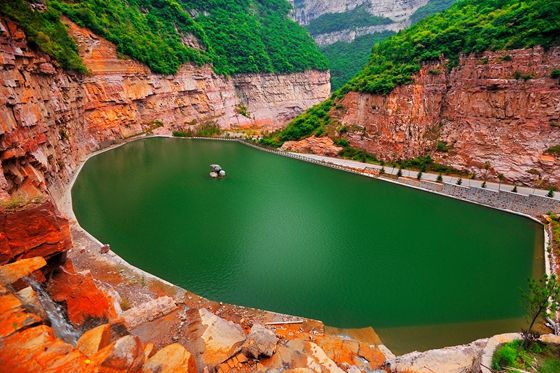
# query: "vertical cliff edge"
x,y
51,119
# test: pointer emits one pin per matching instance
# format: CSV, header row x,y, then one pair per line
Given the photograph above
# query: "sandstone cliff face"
x,y
479,109
397,10
50,119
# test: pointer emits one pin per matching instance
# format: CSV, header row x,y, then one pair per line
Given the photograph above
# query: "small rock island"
x,y
216,171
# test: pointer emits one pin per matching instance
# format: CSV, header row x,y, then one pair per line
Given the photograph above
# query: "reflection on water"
x,y
292,237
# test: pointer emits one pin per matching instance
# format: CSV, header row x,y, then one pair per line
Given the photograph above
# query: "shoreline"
x,y
64,203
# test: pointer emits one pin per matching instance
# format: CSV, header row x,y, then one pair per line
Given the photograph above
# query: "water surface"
x,y
293,237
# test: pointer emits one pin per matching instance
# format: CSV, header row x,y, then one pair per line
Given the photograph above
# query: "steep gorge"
x,y
51,119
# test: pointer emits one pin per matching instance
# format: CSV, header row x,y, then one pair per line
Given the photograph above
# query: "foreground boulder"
x,y
214,340
260,341
173,358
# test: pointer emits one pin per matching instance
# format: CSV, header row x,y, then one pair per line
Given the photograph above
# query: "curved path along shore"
x,y
139,287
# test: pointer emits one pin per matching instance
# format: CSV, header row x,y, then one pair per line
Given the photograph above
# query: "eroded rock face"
x,y
12,272
399,11
50,120
479,110
314,145
38,230
86,305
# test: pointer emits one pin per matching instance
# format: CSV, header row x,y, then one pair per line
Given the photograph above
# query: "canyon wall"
x,y
399,11
501,107
50,119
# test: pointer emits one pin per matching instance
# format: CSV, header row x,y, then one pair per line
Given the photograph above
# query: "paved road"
x,y
432,176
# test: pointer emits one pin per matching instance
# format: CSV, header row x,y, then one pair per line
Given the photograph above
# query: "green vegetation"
x,y
256,36
555,74
207,129
181,133
460,181
551,192
467,27
530,354
313,120
543,297
45,31
237,36
357,17
540,357
433,6
443,147
347,59
554,221
554,150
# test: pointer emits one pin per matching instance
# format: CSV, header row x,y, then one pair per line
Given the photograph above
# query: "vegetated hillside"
x,y
467,27
450,107
236,36
348,59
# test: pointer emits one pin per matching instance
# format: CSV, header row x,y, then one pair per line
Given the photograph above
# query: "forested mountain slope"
x,y
466,86
236,36
347,34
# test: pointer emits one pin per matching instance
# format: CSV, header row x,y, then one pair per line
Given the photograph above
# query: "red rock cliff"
x,y
51,119
504,111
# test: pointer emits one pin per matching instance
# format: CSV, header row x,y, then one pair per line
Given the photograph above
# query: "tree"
x,y
543,296
419,176
399,172
459,181
484,184
486,168
501,177
439,178
551,192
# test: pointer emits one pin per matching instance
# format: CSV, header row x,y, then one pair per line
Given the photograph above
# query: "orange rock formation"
x,y
487,109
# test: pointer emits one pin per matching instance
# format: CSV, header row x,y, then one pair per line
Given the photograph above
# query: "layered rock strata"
x,y
50,119
498,111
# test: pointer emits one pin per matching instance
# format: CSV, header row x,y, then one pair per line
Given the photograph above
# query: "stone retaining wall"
x,y
531,204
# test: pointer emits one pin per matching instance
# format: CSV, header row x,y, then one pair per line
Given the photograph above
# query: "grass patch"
x,y
538,357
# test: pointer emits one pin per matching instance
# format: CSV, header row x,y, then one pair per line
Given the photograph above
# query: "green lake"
x,y
289,236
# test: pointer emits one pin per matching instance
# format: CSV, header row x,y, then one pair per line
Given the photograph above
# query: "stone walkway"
x,y
431,176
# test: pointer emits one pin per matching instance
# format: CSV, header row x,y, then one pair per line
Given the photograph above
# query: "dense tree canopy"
x,y
236,36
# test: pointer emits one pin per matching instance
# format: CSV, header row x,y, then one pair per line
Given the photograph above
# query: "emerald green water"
x,y
293,237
